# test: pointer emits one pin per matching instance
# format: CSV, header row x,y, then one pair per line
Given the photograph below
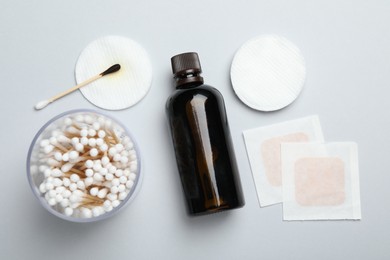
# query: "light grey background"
x,y
346,45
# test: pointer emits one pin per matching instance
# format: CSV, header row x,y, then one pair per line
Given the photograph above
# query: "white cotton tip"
x,y
126,172
66,182
105,160
75,140
84,140
133,156
63,139
129,184
49,186
56,172
112,196
57,182
65,157
89,172
107,204
93,152
97,211
103,147
97,167
44,142
60,189
42,188
119,147
88,119
112,169
88,181
81,185
68,211
48,149
102,193
98,177
101,133
92,142
58,156
103,171
74,198
68,121
99,142
79,118
91,132
52,193
73,155
43,168
89,164
66,193
124,159
119,173
121,188
114,189
109,176
47,173
79,147
115,203
94,191
132,176
66,167
125,153
133,167
53,140
123,179
117,157
115,182
129,146
52,201
53,163
96,126
64,203
73,187
122,195
112,151
42,104
58,198
74,178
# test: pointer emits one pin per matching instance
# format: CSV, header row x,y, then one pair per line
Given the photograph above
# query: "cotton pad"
x,y
320,181
263,149
122,89
268,73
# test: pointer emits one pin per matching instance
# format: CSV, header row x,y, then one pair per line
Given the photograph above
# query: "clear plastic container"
x,y
35,164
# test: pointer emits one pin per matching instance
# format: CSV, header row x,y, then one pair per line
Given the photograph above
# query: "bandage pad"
x,y
270,151
319,181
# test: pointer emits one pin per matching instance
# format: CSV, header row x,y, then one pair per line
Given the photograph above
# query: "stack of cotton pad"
x,y
122,89
268,73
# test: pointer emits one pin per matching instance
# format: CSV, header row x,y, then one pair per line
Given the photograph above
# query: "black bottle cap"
x,y
186,68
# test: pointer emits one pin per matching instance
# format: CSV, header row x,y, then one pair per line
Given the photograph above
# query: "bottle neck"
x,y
188,79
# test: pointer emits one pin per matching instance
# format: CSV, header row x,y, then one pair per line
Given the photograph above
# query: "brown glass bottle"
x,y
202,142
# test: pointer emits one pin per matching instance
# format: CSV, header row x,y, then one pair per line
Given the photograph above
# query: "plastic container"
x,y
35,165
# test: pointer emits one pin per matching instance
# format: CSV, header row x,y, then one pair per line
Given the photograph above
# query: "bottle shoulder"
x,y
190,93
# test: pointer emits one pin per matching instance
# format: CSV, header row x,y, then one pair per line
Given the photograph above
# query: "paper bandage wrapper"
x,y
263,149
320,181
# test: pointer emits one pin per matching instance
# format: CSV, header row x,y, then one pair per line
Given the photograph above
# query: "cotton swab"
x,y
44,103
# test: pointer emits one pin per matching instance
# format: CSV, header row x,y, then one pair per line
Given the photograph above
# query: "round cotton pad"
x,y
121,89
268,73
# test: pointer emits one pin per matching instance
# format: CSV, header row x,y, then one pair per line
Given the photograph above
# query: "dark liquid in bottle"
x,y
204,150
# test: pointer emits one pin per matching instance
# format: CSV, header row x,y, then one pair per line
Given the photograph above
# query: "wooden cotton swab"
x,y
44,103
